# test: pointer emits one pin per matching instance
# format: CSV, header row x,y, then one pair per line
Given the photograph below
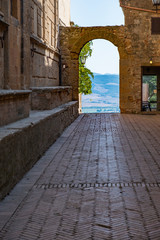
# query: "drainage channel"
x,y
95,185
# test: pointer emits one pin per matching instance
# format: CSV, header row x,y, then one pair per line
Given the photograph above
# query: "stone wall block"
x,y
50,97
33,137
14,105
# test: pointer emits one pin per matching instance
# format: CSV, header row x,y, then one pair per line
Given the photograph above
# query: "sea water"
x,y
100,110
105,95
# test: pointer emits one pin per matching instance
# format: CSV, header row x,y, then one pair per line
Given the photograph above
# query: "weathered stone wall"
x,y
22,143
3,29
29,57
144,46
44,66
16,44
136,45
29,51
1,49
14,104
50,97
1,61
74,38
44,43
30,54
14,67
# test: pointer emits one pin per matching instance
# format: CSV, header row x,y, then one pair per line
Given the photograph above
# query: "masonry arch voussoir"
x,y
113,34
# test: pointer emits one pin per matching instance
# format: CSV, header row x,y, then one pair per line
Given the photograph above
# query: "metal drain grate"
x,y
95,185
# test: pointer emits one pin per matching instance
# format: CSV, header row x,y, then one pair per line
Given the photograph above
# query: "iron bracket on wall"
x,y
33,50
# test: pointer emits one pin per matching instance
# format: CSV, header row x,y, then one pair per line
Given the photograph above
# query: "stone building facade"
x,y
29,32
29,51
44,43
30,80
31,55
39,70
138,43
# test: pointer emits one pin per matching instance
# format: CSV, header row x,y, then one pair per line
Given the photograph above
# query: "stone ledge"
x,y
14,104
51,89
43,98
22,143
43,44
8,94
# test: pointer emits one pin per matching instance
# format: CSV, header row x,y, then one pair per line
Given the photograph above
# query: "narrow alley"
x,y
99,180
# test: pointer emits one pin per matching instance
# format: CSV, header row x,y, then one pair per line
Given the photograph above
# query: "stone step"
x,y
23,142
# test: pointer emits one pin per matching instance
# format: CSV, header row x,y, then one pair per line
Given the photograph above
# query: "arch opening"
x,y
104,64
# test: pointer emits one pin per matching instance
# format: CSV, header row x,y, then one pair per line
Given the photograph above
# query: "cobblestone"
x,y
99,180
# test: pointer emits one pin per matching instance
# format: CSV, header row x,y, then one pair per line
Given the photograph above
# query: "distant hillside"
x,y
105,92
106,83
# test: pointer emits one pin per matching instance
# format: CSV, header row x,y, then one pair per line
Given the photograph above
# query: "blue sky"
x,y
105,57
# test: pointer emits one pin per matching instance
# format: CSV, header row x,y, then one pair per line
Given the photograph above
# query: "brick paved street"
x,y
100,180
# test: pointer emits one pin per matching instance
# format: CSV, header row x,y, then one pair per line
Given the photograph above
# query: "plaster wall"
x,y
64,12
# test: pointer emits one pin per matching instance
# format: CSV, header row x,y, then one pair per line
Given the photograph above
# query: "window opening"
x,y
149,93
155,28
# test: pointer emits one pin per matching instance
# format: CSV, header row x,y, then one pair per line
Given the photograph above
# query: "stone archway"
x,y
113,34
136,43
72,41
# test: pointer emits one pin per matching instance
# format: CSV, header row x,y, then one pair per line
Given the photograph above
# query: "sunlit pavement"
x,y
100,180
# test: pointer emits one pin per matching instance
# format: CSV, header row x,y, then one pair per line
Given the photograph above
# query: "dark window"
x,y
14,8
155,25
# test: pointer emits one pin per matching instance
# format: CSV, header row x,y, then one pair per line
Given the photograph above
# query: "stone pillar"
x,y
25,44
80,102
74,78
1,56
130,86
14,50
4,20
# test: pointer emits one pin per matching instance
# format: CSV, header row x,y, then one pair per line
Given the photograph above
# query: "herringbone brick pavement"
x,y
99,180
